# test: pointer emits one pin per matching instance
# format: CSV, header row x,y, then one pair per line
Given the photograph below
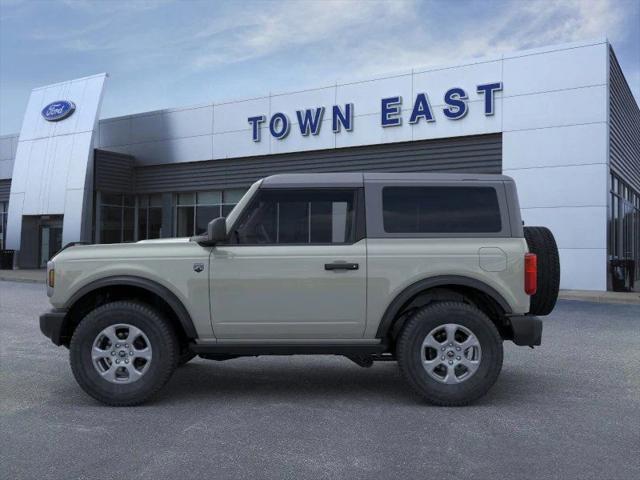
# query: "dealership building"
x,y
560,120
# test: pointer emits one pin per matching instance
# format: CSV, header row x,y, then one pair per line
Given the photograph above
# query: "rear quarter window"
x,y
441,209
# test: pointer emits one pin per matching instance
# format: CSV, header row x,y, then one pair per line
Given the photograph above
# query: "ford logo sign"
x,y
56,111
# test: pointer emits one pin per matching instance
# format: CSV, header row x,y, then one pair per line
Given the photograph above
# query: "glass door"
x,y
50,242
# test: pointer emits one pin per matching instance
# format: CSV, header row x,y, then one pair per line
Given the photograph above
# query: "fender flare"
x,y
442,280
151,286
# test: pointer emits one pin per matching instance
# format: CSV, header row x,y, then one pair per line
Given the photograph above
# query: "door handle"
x,y
341,266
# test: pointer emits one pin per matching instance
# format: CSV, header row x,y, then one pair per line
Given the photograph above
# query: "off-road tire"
x,y
163,342
541,242
409,354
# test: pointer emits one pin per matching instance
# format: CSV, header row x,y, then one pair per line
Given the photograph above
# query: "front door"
x,y
50,241
294,268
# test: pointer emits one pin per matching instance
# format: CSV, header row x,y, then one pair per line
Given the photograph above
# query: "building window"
x,y
4,207
149,216
194,210
117,214
624,236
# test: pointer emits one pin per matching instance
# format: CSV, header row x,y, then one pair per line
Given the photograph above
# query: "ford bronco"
x,y
433,271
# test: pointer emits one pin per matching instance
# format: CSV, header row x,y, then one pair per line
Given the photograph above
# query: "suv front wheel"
x,y
123,352
450,353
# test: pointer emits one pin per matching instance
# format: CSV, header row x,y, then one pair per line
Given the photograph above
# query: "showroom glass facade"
x,y
117,217
149,213
624,236
129,218
194,210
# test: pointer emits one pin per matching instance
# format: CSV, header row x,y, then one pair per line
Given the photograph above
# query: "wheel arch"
x,y
454,285
118,287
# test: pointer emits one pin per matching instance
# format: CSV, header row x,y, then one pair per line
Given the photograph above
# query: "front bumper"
x,y
527,330
52,325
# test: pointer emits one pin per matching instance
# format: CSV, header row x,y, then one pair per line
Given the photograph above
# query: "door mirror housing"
x,y
217,230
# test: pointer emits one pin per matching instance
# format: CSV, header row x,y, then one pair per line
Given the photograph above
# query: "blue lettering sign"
x,y
488,90
390,108
255,126
456,99
345,119
279,125
311,122
310,119
421,109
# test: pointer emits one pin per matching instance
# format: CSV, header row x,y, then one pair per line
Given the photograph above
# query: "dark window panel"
x,y
204,214
441,210
184,221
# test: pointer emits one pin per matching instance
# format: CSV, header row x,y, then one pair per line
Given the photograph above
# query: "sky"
x,y
171,53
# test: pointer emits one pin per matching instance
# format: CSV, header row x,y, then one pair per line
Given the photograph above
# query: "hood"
x,y
143,248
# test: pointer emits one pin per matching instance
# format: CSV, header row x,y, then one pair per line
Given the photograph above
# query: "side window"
x,y
436,209
280,217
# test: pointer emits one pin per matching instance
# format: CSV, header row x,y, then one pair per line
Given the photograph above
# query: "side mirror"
x,y
217,230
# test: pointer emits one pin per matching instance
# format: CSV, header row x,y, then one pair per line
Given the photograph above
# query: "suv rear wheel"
x,y
450,353
123,352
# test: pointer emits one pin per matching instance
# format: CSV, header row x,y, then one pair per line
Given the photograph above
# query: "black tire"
x,y
164,347
410,353
185,357
541,242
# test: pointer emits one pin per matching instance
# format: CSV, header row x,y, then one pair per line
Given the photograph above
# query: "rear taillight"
x,y
530,273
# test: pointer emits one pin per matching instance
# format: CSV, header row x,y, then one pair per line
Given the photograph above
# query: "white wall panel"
x,y
583,269
291,102
189,122
6,169
14,219
52,158
577,186
7,147
366,96
234,144
115,132
573,227
39,156
72,221
231,117
148,128
572,145
76,161
552,109
52,199
562,69
188,149
436,82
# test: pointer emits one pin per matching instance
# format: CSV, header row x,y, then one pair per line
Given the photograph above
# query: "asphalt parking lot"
x,y
569,409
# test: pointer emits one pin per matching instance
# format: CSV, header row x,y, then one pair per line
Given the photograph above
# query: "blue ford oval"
x,y
56,111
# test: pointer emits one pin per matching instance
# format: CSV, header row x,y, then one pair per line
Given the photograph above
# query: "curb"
x,y
20,280
631,299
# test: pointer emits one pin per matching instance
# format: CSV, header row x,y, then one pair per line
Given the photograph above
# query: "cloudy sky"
x,y
167,53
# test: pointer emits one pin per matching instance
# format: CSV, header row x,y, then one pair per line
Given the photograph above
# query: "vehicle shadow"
x,y
313,380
